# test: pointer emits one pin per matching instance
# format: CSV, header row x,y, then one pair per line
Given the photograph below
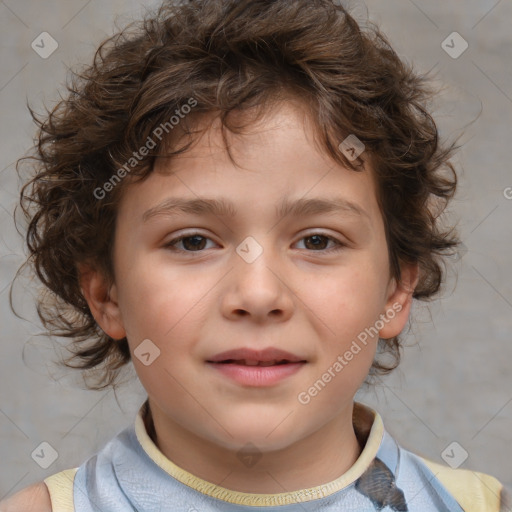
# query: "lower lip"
x,y
257,376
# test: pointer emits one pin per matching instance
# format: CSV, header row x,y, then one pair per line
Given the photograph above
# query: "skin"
x,y
310,301
34,498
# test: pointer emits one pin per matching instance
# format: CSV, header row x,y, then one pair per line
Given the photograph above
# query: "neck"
x,y
310,462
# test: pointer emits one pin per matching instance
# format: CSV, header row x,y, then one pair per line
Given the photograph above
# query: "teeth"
x,y
255,362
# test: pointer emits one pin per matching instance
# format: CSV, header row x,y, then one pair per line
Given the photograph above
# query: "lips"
x,y
254,362
249,357
256,368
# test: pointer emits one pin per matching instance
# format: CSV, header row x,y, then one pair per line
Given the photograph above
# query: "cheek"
x,y
348,311
347,301
168,307
157,298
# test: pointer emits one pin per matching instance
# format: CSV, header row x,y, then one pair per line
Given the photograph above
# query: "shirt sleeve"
x,y
474,491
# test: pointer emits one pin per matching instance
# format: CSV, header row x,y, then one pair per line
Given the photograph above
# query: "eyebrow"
x,y
223,207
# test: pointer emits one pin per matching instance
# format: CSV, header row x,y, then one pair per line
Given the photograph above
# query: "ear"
x,y
102,301
399,301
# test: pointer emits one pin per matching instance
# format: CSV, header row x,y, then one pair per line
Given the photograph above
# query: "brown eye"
x,y
190,243
320,243
316,242
193,242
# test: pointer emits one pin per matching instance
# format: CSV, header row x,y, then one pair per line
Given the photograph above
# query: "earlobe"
x,y
102,301
398,305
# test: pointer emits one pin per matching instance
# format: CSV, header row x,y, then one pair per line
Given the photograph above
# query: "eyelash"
x,y
171,244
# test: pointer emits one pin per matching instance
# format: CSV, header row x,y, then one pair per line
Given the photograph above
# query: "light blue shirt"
x,y
131,474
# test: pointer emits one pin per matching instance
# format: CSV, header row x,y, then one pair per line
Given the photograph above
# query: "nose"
x,y
258,289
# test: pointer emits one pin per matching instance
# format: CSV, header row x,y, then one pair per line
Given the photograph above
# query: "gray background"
x,y
454,383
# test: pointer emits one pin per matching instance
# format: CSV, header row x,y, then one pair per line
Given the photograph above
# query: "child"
x,y
183,189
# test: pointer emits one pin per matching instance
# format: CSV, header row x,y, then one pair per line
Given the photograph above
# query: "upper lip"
x,y
265,355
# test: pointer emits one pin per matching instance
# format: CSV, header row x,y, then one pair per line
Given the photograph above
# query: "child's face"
x,y
300,295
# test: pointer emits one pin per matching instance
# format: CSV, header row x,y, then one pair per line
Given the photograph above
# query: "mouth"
x,y
253,368
255,362
249,357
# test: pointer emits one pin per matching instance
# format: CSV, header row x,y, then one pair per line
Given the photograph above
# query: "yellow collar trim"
x,y
258,500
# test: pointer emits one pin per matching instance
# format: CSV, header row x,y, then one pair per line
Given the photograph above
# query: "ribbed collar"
x,y
369,430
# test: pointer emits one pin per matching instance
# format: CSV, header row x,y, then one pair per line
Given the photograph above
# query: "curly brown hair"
x,y
228,56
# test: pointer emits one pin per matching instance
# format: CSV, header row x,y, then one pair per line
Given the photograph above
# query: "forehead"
x,y
275,158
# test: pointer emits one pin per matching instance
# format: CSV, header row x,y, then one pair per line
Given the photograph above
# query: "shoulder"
x,y
35,498
474,491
